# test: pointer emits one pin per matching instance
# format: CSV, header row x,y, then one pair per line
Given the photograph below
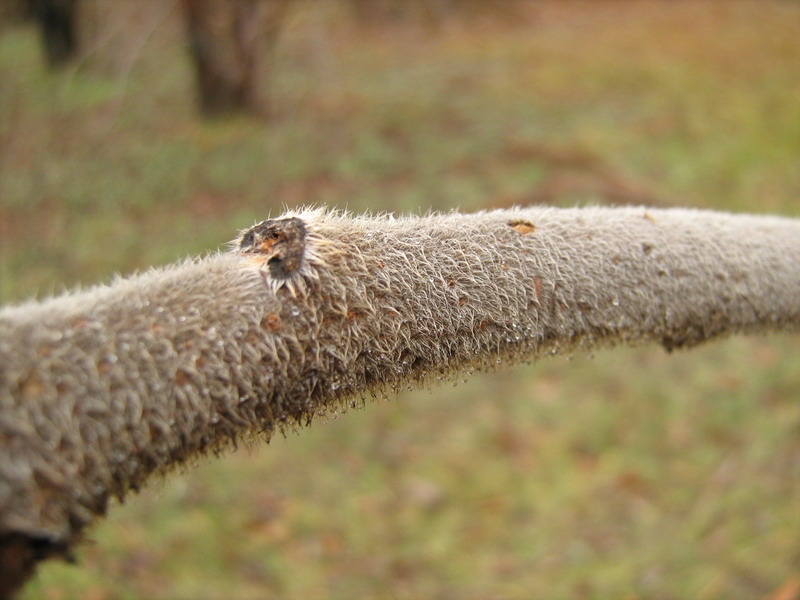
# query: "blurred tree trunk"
x,y
231,43
58,20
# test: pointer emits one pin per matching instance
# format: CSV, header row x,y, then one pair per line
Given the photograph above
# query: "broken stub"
x,y
280,243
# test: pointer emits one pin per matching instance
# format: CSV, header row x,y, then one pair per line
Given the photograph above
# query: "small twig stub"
x,y
281,243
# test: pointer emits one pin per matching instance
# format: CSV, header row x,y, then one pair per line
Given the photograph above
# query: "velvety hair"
x,y
101,388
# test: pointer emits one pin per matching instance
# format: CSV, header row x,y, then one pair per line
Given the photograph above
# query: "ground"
x,y
629,474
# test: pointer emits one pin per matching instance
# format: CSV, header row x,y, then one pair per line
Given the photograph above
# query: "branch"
x,y
100,389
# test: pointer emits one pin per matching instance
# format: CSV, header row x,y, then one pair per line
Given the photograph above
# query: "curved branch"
x,y
100,389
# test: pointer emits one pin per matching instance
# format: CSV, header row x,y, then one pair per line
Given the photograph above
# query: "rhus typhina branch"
x,y
99,389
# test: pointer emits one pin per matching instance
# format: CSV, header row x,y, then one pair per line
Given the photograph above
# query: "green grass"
x,y
631,474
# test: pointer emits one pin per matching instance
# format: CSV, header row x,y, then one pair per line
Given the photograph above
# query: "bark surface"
x,y
100,389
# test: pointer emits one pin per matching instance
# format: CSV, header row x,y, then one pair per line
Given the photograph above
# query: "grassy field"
x,y
632,474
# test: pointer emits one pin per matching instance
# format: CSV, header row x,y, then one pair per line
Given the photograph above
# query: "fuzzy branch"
x,y
99,389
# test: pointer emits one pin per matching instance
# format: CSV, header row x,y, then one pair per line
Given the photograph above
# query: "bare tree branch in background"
x,y
231,44
100,389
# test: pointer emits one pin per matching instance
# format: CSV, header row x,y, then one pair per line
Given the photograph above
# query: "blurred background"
x,y
137,132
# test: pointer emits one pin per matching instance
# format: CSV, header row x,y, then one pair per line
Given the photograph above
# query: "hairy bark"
x,y
99,389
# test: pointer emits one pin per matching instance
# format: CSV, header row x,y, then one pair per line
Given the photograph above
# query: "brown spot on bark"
x,y
537,287
80,323
353,314
181,377
271,322
522,227
31,387
647,248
